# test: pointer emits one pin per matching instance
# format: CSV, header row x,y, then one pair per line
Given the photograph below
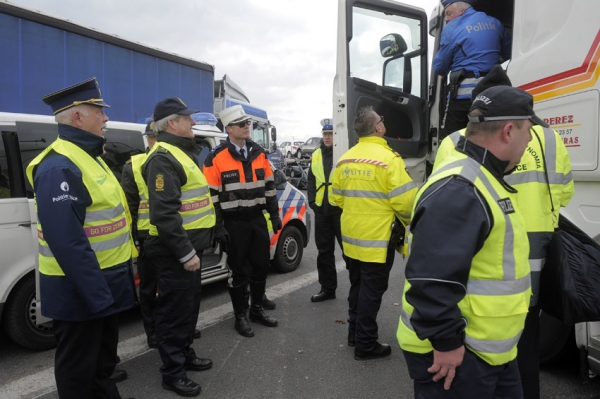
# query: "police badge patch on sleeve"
x,y
506,206
160,182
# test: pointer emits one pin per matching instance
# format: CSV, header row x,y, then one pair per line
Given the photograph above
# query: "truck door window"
x,y
260,133
366,61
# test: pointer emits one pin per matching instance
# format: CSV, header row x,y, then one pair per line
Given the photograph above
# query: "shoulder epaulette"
x,y
162,150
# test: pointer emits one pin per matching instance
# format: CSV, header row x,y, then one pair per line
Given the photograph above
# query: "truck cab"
x,y
22,138
384,49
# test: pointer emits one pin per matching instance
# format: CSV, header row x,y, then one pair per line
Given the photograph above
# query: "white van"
x,y
23,137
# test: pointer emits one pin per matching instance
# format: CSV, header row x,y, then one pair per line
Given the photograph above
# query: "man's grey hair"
x,y
365,121
161,125
66,117
461,5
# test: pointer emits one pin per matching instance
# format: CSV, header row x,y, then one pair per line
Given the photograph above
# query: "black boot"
x,y
242,325
257,314
240,305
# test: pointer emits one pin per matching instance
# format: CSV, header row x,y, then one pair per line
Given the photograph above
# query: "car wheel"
x,y
288,155
20,318
290,247
556,339
299,154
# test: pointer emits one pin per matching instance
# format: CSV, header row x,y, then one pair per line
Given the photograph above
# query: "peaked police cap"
x,y
86,92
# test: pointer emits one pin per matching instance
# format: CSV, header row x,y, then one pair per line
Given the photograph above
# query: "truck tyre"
x,y
556,339
19,318
290,248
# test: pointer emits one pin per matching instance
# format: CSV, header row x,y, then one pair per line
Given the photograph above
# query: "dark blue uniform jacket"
x,y
85,292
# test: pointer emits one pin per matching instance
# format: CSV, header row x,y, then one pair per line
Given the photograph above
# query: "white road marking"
x,y
42,382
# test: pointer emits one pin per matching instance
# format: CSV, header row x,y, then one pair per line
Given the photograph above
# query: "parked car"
x,y
306,149
289,148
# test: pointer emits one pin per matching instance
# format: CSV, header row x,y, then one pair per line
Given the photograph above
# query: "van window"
x,y
203,148
4,173
120,146
33,139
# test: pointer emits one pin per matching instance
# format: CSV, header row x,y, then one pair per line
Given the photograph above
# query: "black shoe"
x,y
197,333
351,340
268,304
257,314
198,364
152,342
322,296
377,351
242,325
118,375
183,387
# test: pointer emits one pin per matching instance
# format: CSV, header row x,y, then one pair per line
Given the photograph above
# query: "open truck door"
x,y
382,62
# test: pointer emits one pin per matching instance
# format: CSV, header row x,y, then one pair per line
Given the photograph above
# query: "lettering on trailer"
x,y
559,120
564,125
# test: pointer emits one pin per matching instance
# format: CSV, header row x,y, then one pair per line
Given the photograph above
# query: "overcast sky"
x,y
281,52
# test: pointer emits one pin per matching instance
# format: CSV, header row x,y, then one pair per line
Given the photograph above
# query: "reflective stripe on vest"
x,y
498,289
107,221
197,210
143,220
316,166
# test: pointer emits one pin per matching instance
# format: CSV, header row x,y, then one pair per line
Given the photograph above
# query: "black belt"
x,y
470,74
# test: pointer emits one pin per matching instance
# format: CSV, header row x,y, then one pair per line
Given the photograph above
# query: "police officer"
x,y
472,43
327,214
372,187
465,302
85,244
137,199
182,218
242,187
546,155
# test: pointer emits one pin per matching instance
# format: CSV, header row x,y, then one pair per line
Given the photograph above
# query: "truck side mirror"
x,y
273,134
392,45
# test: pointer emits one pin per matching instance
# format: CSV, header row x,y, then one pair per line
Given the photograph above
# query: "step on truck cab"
x,y
22,138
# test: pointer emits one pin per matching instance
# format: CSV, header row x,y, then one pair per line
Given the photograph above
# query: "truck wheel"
x,y
290,247
556,339
19,318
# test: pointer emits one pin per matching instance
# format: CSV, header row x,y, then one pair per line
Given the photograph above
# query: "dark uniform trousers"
x,y
177,307
368,283
147,288
248,241
327,231
474,379
456,116
528,354
86,357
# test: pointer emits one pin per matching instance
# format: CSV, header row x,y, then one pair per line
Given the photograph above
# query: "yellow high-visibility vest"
x,y
107,223
499,289
316,166
197,210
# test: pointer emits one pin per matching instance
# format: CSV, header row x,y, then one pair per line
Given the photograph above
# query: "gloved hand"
x,y
222,237
276,222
